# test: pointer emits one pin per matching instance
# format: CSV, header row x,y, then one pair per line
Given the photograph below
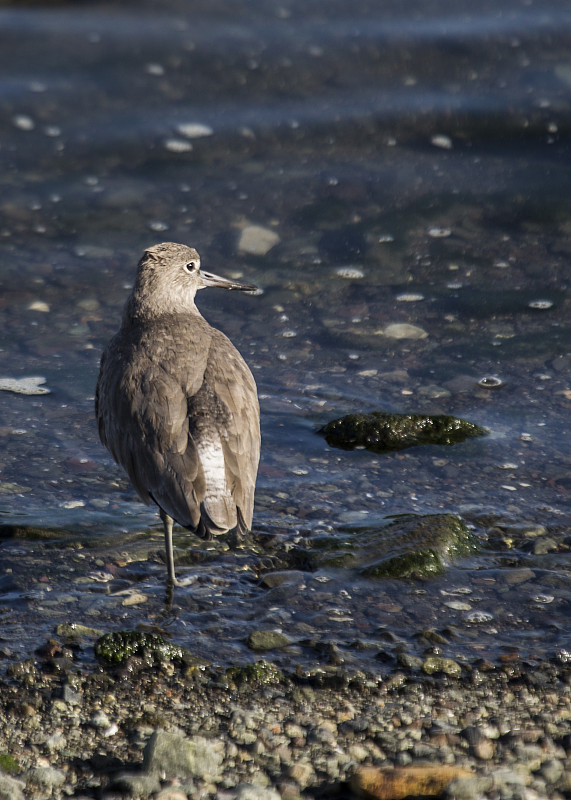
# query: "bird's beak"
x,y
208,279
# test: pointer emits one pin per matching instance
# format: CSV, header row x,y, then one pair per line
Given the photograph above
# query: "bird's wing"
x,y
142,410
228,377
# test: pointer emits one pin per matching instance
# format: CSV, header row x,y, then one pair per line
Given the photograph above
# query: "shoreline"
x,y
174,731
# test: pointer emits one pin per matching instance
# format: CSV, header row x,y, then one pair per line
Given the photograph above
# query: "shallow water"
x,y
415,168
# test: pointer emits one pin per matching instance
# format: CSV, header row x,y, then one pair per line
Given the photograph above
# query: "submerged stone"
x,y
117,647
383,432
261,640
418,547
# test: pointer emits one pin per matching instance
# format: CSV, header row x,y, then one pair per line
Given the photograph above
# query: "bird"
x,y
176,404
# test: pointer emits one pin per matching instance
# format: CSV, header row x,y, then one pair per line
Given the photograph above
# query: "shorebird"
x,y
176,404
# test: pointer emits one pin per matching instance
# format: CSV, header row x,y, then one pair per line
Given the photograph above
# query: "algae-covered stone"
x,y
382,432
257,674
74,630
267,640
415,547
117,647
447,666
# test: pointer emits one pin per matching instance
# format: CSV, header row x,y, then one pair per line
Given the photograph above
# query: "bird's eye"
x,y
192,266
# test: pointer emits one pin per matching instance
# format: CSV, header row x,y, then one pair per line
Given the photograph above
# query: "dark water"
x,y
413,166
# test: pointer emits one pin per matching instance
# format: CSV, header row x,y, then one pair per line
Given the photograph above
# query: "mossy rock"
x,y
417,547
261,673
382,432
117,647
9,765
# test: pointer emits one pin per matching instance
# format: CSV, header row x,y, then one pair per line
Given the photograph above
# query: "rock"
x,y
44,778
447,666
117,647
415,547
136,784
392,784
249,791
382,432
302,773
10,788
257,241
170,793
402,330
481,745
472,788
177,756
267,640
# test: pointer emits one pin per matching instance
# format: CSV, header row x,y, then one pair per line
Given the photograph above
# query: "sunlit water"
x,y
415,167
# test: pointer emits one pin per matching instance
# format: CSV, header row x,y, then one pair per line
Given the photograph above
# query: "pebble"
x,y
194,130
38,305
396,784
175,755
256,240
177,146
350,273
441,140
402,330
442,735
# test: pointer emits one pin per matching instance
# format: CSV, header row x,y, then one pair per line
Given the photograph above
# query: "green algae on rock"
x,y
115,648
382,432
419,547
410,546
261,673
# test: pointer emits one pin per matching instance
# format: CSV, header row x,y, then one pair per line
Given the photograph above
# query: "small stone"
x,y
349,273
257,240
23,122
10,788
441,140
249,791
439,233
38,305
177,756
44,778
100,720
448,666
177,146
194,130
134,599
395,784
302,773
540,305
136,784
479,616
409,297
458,605
471,788
402,330
260,641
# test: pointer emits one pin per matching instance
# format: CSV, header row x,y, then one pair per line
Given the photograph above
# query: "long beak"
x,y
208,279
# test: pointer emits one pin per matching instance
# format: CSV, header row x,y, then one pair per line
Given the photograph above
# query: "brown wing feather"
x,y
142,410
228,375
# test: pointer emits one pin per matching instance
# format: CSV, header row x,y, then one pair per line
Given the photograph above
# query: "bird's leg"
x,y
167,524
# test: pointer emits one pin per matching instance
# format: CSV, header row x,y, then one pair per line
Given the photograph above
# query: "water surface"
x,y
415,167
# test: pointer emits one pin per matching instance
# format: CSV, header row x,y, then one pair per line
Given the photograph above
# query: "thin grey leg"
x,y
167,524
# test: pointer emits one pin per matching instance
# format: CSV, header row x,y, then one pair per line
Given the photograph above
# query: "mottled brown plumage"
x,y
176,403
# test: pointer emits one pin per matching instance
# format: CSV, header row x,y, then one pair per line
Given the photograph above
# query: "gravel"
x,y
174,731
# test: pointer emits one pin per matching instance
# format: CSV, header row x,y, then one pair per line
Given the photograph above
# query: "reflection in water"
x,y
408,180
